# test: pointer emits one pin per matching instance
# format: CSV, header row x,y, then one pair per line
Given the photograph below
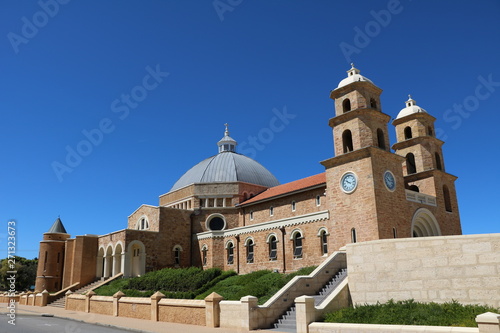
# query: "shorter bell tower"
x,y
49,274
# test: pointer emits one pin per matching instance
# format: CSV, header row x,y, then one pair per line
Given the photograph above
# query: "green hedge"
x,y
196,283
262,284
410,312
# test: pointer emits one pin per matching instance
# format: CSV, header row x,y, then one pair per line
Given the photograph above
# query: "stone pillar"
x,y
212,309
68,293
122,263
155,298
306,313
488,322
45,298
116,300
88,296
250,316
106,264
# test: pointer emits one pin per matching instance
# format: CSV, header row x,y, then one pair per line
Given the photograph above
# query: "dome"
x,y
353,76
227,166
411,108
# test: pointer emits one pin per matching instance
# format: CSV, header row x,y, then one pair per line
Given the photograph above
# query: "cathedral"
x,y
230,212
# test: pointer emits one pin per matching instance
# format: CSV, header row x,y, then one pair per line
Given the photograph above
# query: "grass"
x,y
195,283
410,312
262,284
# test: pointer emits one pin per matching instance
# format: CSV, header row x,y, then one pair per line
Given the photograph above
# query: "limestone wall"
x,y
439,269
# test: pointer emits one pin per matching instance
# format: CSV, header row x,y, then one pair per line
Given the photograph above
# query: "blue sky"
x,y
142,89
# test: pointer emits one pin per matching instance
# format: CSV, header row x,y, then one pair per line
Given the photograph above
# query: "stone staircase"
x,y
288,321
61,302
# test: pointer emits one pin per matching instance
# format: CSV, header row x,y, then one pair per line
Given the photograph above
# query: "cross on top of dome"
x,y
227,144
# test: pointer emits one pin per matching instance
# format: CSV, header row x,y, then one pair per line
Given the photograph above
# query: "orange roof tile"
x,y
288,188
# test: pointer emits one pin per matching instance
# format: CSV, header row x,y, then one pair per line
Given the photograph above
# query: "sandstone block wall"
x,y
432,269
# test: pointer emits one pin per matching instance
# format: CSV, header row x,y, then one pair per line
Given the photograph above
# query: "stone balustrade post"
x,y
33,301
27,298
306,313
45,298
68,293
488,322
212,309
155,298
88,296
116,305
250,315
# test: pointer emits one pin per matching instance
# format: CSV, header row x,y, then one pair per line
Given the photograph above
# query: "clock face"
x,y
348,182
389,180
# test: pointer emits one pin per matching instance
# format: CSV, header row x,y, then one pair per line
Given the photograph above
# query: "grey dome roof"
x,y
227,166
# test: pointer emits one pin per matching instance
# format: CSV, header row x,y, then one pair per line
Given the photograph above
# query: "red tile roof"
x,y
288,188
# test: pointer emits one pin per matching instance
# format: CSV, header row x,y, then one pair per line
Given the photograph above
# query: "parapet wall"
x,y
430,269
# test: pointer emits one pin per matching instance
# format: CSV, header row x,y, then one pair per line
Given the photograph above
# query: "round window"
x,y
217,223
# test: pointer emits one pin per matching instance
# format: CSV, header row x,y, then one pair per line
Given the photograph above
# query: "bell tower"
x,y
423,165
364,179
359,121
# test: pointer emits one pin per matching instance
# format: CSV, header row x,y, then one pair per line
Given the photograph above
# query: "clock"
x,y
389,181
348,182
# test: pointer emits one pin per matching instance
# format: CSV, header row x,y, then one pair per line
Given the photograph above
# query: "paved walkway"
x,y
130,324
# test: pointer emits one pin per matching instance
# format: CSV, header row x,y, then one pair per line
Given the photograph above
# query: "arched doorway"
x,y
137,258
424,224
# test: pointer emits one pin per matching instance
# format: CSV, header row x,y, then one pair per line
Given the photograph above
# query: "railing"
x,y
421,198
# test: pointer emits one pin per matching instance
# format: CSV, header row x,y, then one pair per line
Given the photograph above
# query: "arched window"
x,y
204,255
408,134
439,165
430,132
447,198
346,105
230,253
410,164
373,103
354,237
394,233
318,200
251,215
143,223
414,188
271,211
380,139
45,261
347,141
250,248
177,255
273,248
294,206
323,237
297,245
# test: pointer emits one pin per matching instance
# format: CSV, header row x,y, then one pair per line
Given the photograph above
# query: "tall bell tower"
x,y
364,179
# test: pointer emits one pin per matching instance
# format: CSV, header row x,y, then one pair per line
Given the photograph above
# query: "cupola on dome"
x,y
227,166
353,76
411,108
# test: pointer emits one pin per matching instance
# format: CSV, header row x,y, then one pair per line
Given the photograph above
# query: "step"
x,y
288,321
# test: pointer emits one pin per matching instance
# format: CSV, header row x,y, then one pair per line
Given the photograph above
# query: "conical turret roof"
x,y
57,227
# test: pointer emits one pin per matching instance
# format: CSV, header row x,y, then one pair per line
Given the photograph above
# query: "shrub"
x,y
410,312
